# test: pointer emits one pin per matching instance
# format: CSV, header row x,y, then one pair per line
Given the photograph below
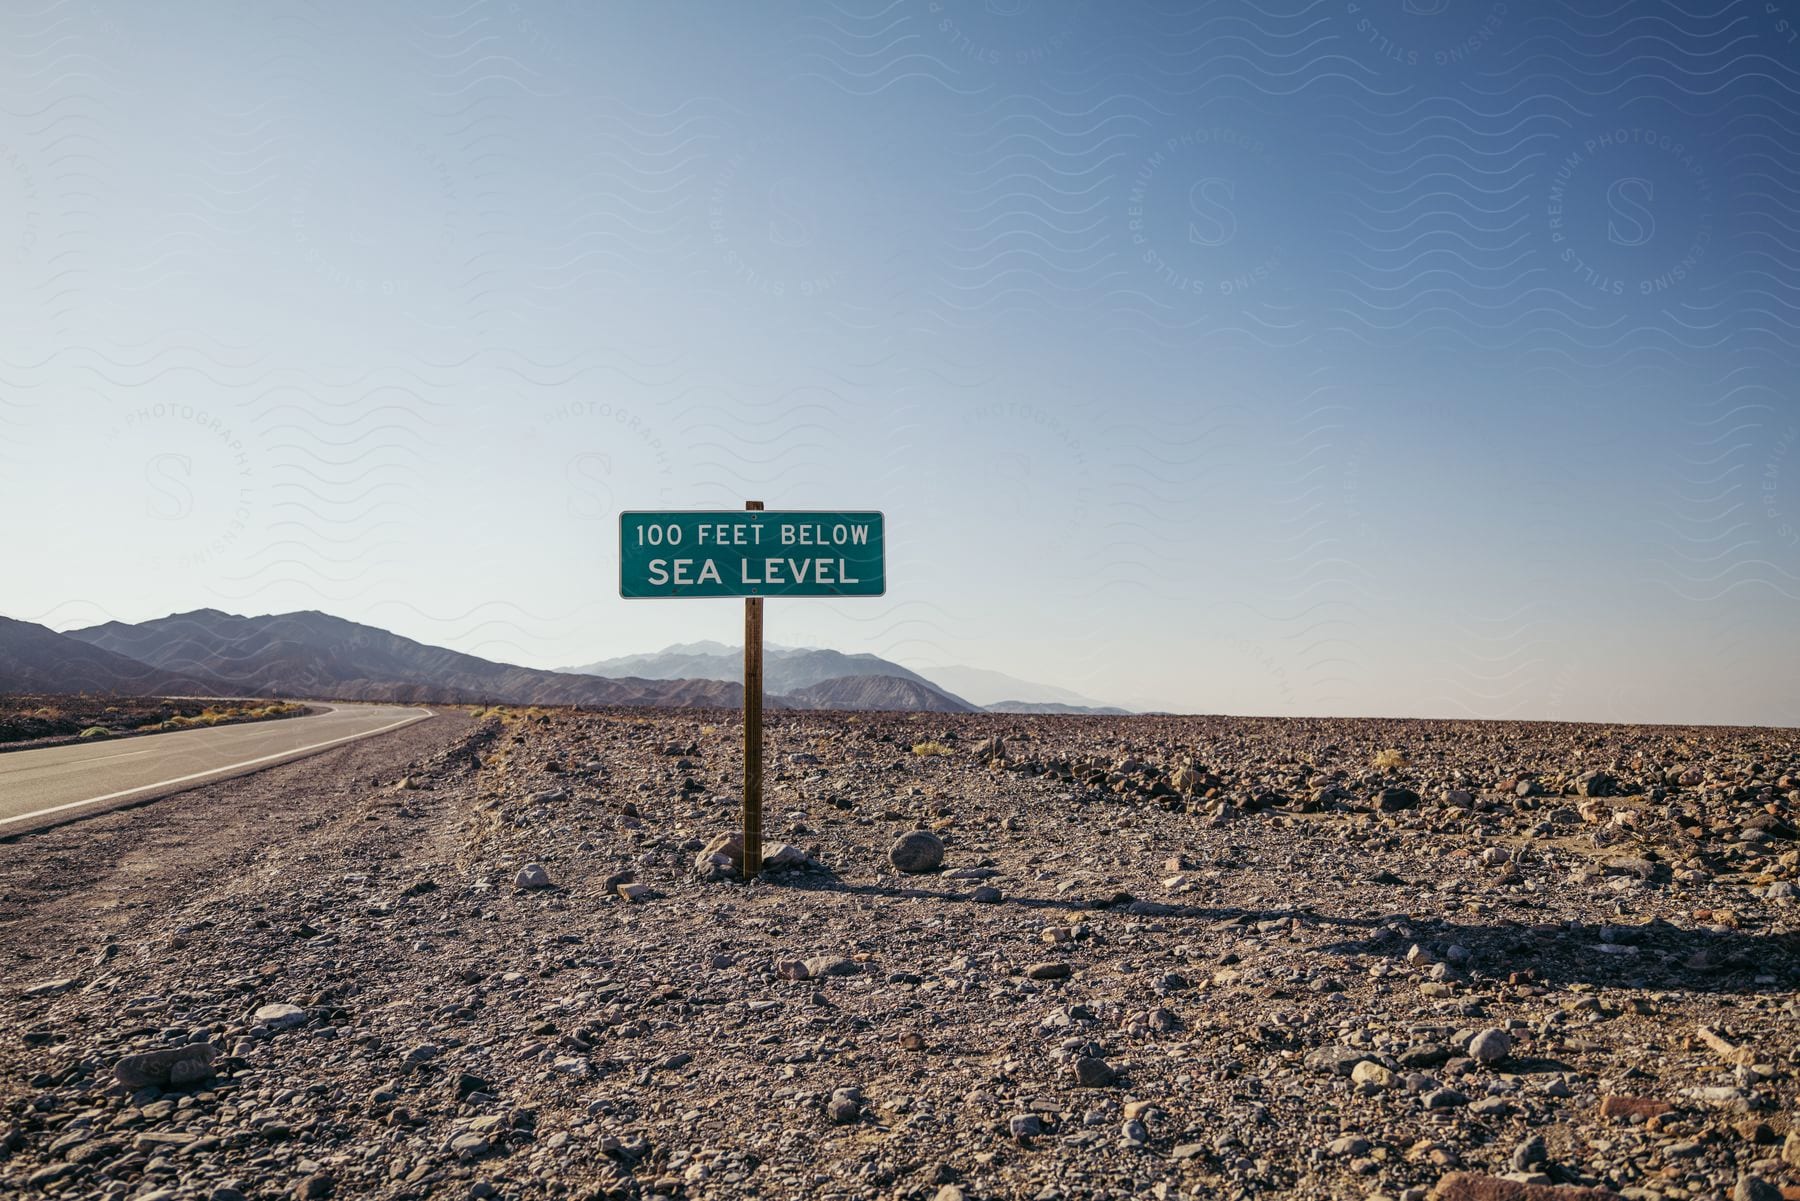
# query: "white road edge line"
x,y
201,775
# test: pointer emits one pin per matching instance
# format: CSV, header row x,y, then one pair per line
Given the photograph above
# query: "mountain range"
x,y
794,670
310,654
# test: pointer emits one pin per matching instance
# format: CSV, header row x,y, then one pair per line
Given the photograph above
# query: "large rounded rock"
x,y
1490,1046
918,851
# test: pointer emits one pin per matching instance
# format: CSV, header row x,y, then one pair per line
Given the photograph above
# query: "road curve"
x,y
44,787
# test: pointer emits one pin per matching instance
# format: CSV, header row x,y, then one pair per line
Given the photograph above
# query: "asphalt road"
x,y
43,787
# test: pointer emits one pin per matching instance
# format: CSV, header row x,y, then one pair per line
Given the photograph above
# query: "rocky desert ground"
x,y
501,955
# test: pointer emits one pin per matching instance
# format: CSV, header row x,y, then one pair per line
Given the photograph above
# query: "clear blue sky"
x,y
1397,357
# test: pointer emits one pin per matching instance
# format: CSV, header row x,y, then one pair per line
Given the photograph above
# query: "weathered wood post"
x,y
753,699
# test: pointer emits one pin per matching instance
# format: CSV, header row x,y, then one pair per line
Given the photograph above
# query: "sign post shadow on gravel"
x,y
702,554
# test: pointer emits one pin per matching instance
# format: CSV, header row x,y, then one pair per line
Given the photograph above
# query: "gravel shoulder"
x,y
1160,957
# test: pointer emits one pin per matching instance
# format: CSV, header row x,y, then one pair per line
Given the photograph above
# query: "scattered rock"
x,y
1754,1188
917,852
280,1016
1395,800
172,1067
844,1107
783,857
1092,1072
1530,1153
821,966
1338,1060
1490,1046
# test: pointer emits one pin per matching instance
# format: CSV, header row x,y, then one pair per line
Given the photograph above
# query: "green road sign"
x,y
734,552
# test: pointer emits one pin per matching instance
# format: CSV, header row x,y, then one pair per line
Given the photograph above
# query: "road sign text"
x,y
731,553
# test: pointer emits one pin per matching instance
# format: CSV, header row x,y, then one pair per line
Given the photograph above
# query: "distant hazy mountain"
x,y
316,655
35,658
785,669
794,670
868,692
987,688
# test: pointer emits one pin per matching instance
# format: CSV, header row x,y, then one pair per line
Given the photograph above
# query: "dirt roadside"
x,y
88,882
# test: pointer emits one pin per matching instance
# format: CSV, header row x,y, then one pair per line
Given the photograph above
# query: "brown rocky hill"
x,y
35,658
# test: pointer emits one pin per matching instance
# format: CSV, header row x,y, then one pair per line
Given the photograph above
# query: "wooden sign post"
x,y
753,698
753,554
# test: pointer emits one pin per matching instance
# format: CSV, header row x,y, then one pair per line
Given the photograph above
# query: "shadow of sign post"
x,y
702,554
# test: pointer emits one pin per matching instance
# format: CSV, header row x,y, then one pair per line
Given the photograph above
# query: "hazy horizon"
x,y
1413,361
